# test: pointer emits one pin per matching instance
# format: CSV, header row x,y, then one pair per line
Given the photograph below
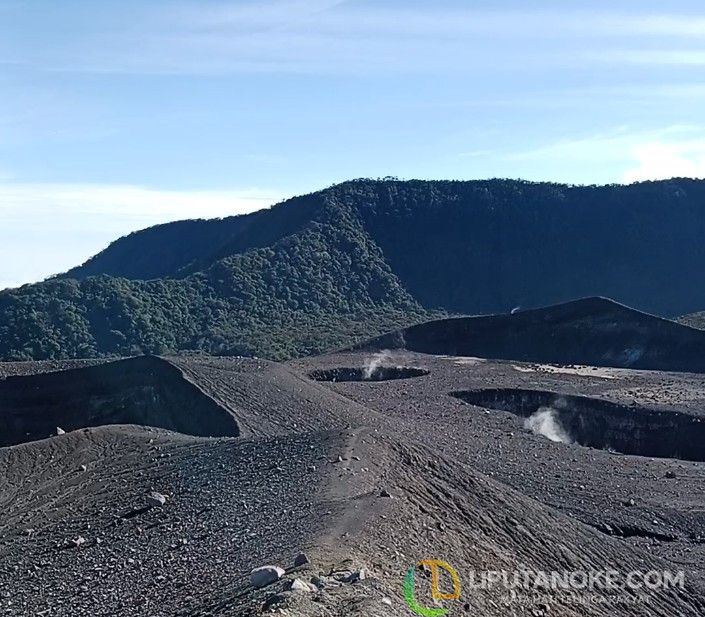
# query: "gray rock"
x,y
75,543
297,585
276,599
319,582
60,431
265,575
154,500
360,575
301,560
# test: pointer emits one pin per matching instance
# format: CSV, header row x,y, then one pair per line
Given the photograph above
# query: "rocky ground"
x,y
364,477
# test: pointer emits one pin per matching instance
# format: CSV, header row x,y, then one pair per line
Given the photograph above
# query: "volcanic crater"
x,y
602,424
145,391
382,373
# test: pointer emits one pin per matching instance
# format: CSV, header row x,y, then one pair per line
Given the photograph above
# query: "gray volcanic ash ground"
x,y
176,477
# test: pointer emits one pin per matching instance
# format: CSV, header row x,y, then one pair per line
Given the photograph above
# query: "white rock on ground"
x,y
360,575
265,575
156,499
298,585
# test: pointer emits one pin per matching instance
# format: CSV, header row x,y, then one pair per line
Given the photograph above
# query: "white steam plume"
x,y
375,362
545,422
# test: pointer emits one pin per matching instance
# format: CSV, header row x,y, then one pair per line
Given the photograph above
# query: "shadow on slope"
x,y
592,331
145,391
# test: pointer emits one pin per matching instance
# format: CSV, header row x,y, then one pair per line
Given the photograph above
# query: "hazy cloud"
x,y
675,151
36,220
333,36
661,161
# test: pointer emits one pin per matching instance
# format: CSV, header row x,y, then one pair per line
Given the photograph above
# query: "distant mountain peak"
x,y
338,265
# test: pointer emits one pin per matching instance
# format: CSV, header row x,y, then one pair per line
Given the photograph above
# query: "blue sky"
x,y
115,115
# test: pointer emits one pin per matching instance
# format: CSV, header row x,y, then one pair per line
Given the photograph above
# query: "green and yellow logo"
x,y
434,565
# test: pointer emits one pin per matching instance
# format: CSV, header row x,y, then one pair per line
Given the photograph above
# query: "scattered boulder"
x,y
60,431
155,500
75,543
360,575
671,475
385,493
301,560
265,575
320,582
297,585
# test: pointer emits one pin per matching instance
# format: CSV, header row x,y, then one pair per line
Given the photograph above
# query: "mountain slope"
x,y
291,298
185,247
476,247
346,263
694,320
591,331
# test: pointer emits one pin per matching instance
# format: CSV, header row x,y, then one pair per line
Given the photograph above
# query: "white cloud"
x,y
658,154
56,226
678,26
334,36
662,161
134,203
662,57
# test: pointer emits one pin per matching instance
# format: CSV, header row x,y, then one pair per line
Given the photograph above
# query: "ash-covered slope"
x,y
238,504
693,320
350,473
145,391
591,331
77,537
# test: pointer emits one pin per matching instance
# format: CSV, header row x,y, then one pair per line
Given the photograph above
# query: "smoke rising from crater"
x,y
545,422
376,362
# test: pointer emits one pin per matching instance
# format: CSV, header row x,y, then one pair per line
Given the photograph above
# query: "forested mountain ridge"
x,y
319,270
184,247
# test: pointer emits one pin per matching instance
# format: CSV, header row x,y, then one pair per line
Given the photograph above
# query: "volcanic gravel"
x,y
232,506
373,474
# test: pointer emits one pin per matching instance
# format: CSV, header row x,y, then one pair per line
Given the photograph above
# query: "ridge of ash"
x,y
598,423
382,373
146,391
590,331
